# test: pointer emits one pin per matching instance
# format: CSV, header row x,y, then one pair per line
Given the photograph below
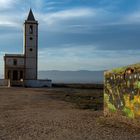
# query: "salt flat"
x,y
59,114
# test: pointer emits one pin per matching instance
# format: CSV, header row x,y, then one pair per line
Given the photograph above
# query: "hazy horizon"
x,y
81,76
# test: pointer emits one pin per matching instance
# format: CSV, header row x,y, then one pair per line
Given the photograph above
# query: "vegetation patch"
x,y
82,99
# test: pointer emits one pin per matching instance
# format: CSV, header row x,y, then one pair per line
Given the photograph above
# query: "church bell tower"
x,y
31,47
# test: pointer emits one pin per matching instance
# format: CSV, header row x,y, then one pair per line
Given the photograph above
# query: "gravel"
x,y
30,114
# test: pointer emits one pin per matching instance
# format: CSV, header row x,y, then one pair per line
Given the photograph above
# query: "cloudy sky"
x,y
75,34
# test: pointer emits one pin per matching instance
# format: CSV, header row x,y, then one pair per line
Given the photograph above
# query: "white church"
x,y
22,69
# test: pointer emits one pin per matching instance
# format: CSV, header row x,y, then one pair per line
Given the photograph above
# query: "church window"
x,y
31,49
15,62
31,38
31,29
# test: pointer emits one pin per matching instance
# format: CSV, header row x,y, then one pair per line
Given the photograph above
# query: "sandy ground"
x,y
32,114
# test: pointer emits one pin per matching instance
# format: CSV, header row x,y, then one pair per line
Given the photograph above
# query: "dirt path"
x,y
31,114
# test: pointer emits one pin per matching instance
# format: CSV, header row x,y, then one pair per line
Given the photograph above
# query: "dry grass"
x,y
81,98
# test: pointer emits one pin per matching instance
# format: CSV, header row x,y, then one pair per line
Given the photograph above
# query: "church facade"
x,y
22,69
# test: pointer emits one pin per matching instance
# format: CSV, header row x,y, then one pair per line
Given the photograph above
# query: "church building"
x,y
22,69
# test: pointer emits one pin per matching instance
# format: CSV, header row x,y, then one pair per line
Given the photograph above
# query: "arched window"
x,y
31,29
31,38
14,62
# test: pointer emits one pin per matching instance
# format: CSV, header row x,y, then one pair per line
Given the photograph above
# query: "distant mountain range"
x,y
82,76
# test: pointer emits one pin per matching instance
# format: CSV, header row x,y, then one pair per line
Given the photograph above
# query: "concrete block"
x,y
122,91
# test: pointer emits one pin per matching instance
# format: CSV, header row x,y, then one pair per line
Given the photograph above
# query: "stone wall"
x,y
122,91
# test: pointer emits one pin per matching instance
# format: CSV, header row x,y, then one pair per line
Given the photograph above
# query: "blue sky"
x,y
75,34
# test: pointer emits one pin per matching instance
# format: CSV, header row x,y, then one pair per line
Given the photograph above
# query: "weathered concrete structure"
x,y
122,91
21,69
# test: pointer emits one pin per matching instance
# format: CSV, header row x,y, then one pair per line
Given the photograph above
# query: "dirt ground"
x,y
60,114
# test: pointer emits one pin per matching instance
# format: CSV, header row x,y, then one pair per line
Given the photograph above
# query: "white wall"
x,y
3,82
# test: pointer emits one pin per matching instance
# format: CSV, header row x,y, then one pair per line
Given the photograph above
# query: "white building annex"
x,y
22,69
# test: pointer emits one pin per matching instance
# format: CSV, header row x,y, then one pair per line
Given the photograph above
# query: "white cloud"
x,y
129,18
72,13
54,17
73,57
38,4
4,4
5,23
52,3
66,57
10,20
133,17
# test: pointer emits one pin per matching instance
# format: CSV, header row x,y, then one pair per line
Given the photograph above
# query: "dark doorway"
x,y
9,74
21,74
15,75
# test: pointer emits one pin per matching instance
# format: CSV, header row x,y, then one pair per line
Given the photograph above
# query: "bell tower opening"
x,y
31,29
